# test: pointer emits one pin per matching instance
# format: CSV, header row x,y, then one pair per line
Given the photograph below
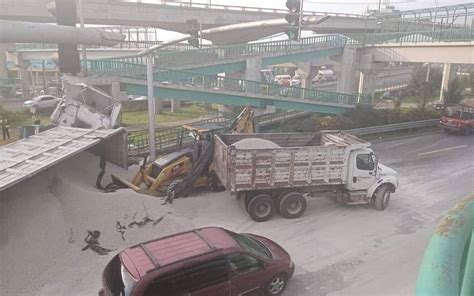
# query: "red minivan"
x,y
209,261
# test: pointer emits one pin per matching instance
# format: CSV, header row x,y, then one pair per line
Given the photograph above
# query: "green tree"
x,y
454,94
424,90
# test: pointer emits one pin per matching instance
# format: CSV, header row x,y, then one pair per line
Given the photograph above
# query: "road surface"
x,y
358,250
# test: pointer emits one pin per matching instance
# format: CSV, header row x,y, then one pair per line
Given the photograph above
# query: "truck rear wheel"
x,y
382,197
261,207
292,205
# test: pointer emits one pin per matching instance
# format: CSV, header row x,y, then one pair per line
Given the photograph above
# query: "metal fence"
x,y
393,127
169,137
449,35
170,58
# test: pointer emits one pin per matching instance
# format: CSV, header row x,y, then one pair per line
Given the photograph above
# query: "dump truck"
x,y
298,165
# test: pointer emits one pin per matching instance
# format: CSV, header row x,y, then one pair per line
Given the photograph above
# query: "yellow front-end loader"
x,y
187,168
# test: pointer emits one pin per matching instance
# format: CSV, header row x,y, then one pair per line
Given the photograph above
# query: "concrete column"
x,y
115,89
158,105
175,105
253,68
25,80
448,75
346,82
367,83
3,63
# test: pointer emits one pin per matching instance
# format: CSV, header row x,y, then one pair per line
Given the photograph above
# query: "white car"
x,y
42,102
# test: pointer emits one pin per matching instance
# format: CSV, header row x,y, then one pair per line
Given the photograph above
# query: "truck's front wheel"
x,y
292,205
261,207
382,197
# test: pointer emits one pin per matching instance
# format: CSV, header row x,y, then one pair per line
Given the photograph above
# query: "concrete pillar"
x,y
175,105
25,80
253,68
115,89
346,82
367,83
448,75
158,105
3,63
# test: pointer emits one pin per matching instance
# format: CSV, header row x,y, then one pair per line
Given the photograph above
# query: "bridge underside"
x,y
430,52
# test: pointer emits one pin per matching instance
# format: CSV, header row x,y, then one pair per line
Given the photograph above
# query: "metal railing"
x,y
393,127
448,264
168,137
272,118
198,56
215,83
450,35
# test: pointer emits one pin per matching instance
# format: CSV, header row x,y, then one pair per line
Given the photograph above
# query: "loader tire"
x,y
173,186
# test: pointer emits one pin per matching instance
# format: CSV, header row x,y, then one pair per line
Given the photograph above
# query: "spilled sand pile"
x,y
44,221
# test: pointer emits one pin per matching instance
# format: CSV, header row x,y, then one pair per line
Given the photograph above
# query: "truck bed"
x,y
303,159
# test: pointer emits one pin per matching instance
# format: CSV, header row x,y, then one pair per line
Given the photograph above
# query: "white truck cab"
x,y
369,180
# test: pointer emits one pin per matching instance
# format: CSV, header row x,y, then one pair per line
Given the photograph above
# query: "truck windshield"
x,y
252,246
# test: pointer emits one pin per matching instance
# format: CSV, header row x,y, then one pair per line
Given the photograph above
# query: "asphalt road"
x,y
358,250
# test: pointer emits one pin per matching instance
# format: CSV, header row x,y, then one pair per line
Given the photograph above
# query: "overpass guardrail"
x,y
215,83
171,137
393,127
448,264
196,56
448,35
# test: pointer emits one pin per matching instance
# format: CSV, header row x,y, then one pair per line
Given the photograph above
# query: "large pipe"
x,y
25,32
313,20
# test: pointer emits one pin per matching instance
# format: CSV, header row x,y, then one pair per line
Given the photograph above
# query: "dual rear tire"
x,y
263,206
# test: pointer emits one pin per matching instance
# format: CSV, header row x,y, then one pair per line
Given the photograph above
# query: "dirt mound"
x,y
44,221
255,143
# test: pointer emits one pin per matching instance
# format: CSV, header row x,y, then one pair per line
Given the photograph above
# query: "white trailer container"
x,y
271,180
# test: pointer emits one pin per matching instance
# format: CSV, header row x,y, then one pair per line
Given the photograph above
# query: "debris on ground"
x,y
92,240
36,212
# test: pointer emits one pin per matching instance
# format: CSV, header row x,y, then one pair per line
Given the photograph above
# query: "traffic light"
x,y
193,30
293,17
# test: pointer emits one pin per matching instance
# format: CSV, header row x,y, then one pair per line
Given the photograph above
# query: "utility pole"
x,y
151,105
83,46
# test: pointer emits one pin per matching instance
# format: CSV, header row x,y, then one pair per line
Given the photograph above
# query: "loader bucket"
x,y
124,183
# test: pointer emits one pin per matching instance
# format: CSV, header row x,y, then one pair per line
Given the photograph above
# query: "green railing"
x,y
448,263
449,35
231,52
219,83
270,118
167,138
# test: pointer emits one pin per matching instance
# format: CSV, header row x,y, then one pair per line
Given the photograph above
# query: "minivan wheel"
x,y
261,207
292,205
277,284
382,197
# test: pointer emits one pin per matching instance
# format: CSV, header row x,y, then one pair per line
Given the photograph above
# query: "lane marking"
x,y
441,150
